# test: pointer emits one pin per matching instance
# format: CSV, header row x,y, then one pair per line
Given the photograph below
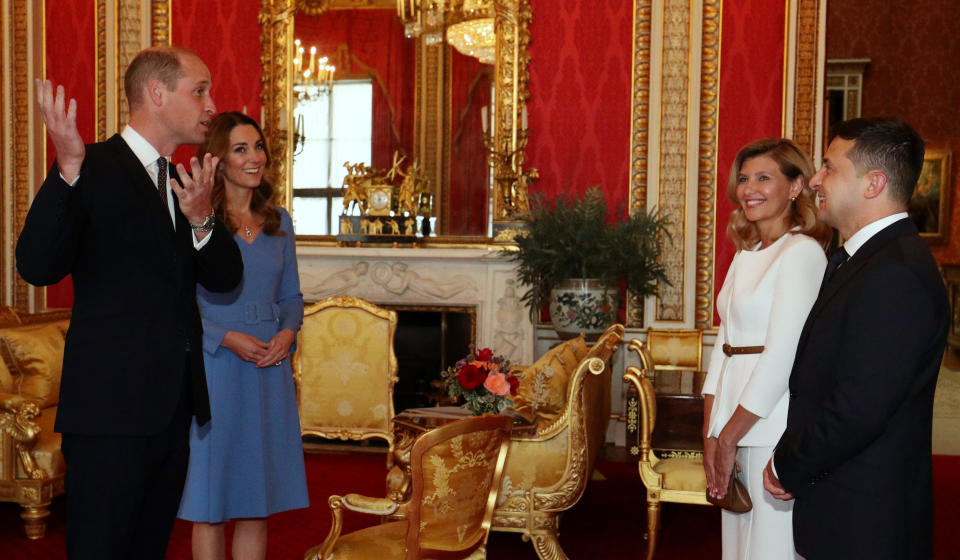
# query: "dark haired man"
x,y
137,238
856,450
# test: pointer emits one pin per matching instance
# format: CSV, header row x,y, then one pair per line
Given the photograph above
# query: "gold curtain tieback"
x,y
736,350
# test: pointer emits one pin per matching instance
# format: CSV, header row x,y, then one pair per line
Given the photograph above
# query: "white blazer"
x,y
764,301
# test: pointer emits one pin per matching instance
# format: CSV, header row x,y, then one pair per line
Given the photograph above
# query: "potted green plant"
x,y
576,252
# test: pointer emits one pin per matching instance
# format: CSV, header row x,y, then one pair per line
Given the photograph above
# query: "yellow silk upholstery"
x,y
533,464
31,463
679,480
542,393
546,473
380,542
6,378
681,473
34,355
345,369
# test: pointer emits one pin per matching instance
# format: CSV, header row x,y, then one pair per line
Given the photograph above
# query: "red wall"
x,y
750,102
579,108
226,35
918,46
70,44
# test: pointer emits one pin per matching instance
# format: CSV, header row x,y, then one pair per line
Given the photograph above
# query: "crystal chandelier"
x,y
467,24
311,79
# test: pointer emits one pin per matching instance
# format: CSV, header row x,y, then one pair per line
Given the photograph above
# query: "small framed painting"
x,y
929,207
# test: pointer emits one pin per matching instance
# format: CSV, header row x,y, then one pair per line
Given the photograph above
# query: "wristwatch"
x,y
207,224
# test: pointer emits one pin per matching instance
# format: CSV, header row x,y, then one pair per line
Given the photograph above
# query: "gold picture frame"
x,y
929,207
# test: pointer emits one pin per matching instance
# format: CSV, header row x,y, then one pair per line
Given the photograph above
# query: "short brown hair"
x,y
793,162
264,197
888,145
155,63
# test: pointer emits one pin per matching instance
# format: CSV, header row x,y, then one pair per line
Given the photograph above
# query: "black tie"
x,y
162,182
836,260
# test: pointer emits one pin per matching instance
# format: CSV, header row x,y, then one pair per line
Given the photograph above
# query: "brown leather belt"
x,y
737,350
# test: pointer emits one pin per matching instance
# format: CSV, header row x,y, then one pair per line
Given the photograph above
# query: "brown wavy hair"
x,y
793,163
264,197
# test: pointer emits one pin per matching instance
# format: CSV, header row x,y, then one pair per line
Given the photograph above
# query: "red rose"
x,y
471,376
484,355
514,385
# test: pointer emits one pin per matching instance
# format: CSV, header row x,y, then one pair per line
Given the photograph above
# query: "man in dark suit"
x,y
856,450
137,238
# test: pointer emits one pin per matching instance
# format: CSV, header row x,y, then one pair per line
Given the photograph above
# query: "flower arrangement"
x,y
482,381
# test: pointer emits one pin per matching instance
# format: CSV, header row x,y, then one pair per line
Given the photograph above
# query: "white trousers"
x,y
766,531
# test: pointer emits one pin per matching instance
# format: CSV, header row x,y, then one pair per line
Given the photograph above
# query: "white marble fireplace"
x,y
478,278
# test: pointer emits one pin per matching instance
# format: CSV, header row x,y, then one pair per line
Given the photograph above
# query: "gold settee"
x,y
31,464
345,369
455,473
567,394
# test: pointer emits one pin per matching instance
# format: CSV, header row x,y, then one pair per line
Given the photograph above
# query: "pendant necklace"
x,y
247,231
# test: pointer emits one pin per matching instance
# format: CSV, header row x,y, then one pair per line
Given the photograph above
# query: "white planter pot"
x,y
583,305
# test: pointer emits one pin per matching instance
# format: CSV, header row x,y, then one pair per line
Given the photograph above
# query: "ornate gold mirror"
x,y
461,121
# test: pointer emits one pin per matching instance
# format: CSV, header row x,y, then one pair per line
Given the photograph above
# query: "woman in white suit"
x,y
766,296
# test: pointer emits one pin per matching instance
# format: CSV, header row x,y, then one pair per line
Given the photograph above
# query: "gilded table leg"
x,y
653,520
35,520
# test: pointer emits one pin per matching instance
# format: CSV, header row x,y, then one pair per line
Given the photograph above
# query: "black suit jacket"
x,y
135,313
856,450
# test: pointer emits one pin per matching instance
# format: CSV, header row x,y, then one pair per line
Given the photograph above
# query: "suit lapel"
x,y
852,268
141,185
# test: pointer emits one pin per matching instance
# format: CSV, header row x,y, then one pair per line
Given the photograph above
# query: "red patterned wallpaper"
x,y
579,108
226,35
916,46
751,99
70,43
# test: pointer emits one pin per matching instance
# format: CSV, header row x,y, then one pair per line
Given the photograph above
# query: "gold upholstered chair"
x,y
566,393
31,464
345,370
675,352
677,479
454,475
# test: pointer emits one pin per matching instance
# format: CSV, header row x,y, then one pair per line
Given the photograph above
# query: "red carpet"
x,y
609,521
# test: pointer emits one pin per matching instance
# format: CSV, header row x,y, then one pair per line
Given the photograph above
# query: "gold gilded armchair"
x,y
345,370
31,464
679,479
455,473
547,473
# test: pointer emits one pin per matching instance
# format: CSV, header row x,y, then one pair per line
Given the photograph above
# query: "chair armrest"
x,y
353,502
366,504
17,416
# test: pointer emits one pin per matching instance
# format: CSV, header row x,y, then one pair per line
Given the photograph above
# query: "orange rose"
x,y
497,384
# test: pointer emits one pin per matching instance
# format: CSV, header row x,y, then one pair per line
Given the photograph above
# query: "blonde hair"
x,y
793,162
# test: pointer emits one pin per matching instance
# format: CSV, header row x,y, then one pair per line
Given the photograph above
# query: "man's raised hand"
x,y
61,120
194,192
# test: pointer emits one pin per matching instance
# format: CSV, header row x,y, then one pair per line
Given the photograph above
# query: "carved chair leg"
x,y
653,521
548,547
35,520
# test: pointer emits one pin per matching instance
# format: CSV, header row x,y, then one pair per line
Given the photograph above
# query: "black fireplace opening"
x,y
429,339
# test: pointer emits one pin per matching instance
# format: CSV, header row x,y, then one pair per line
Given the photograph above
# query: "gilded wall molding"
x,y
672,196
24,148
707,187
639,130
161,27
808,73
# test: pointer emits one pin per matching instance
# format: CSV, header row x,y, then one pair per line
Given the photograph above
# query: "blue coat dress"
x,y
248,460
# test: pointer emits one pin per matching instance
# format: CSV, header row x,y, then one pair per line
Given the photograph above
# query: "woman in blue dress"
x,y
247,462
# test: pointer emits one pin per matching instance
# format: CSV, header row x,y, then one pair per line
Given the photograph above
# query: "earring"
x,y
793,199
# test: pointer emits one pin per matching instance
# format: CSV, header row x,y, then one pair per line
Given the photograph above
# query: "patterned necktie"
x,y
162,182
836,260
